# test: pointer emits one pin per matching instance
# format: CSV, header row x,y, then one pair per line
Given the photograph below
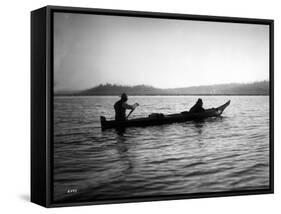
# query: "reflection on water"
x,y
230,152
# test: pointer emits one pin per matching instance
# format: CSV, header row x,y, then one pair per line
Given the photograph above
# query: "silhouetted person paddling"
x,y
198,107
121,106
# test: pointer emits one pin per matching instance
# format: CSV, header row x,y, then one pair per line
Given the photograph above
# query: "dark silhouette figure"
x,y
121,106
197,107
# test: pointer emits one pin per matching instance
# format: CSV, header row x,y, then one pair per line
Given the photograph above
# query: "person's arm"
x,y
127,106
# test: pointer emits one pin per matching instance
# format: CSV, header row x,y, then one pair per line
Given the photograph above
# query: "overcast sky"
x,y
95,49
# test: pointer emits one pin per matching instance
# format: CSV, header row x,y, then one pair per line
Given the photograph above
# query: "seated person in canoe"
x,y
198,107
121,106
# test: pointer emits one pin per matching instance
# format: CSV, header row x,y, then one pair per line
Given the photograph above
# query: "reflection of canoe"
x,y
159,119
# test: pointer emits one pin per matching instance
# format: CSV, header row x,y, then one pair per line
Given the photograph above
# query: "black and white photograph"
x,y
158,107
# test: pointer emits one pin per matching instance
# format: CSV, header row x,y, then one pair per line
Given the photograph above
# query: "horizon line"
x,y
120,85
98,95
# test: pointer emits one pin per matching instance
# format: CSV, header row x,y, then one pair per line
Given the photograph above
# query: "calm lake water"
x,y
220,154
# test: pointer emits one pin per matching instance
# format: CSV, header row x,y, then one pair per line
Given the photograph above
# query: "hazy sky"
x,y
94,49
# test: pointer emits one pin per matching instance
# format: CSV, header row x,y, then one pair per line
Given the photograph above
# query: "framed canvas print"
x,y
141,106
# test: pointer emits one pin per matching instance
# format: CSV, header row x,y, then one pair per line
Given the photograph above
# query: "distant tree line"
x,y
255,88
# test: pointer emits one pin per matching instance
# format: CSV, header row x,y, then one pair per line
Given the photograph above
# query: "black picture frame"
x,y
42,102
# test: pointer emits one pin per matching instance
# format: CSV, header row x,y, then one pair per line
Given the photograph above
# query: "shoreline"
x,y
149,95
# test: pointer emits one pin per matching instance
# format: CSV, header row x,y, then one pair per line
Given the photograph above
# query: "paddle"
x,y
131,112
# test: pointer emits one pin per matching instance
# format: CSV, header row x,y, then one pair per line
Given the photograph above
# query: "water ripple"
x,y
219,154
